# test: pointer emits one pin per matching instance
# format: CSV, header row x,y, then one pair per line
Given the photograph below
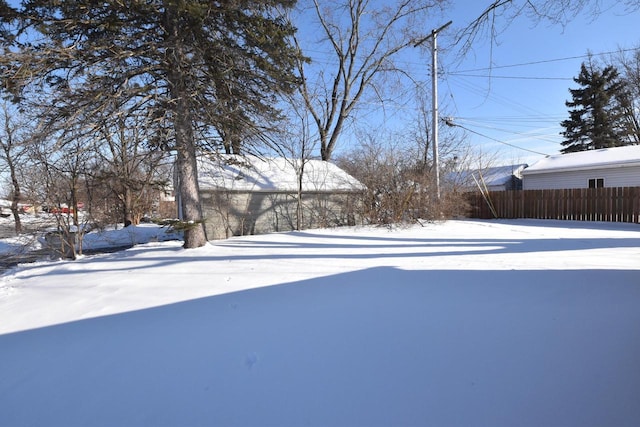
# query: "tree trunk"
x,y
127,207
186,165
188,189
74,201
16,216
299,201
16,196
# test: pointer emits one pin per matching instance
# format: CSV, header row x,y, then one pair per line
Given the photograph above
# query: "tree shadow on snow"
x,y
376,347
389,248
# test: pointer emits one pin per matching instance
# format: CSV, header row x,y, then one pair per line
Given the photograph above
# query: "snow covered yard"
x,y
463,323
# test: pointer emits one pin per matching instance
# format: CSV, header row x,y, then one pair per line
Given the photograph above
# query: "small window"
x,y
596,182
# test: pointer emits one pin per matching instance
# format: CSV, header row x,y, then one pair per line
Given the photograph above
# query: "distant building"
x,y
500,178
251,195
607,167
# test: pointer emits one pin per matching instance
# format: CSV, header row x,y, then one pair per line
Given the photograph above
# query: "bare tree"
x,y
297,144
451,141
127,168
365,39
396,188
628,63
12,154
64,163
499,14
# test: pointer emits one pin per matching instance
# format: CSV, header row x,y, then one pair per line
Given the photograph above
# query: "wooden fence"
x,y
581,204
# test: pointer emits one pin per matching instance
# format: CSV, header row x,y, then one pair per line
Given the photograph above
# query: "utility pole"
x,y
434,101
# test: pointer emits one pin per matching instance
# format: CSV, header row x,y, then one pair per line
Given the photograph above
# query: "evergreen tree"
x,y
175,60
596,115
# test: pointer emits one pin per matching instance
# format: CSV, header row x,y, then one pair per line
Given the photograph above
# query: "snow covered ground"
x,y
108,238
463,323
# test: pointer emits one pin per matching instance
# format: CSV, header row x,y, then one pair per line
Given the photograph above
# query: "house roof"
x,y
494,176
603,158
250,173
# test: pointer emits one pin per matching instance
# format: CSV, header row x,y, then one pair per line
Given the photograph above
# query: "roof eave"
x,y
582,168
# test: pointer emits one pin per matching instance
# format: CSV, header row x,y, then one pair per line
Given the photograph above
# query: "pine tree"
x,y
596,117
167,58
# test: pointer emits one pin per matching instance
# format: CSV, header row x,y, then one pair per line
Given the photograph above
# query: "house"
x,y
500,178
243,195
607,167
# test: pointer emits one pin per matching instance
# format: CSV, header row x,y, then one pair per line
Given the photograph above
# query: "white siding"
x,y
613,177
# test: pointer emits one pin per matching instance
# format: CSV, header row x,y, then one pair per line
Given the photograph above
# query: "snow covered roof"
x,y
593,159
494,176
251,173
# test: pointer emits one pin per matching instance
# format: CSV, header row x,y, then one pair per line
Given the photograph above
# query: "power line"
x,y
546,61
530,120
509,77
449,122
545,137
467,86
330,60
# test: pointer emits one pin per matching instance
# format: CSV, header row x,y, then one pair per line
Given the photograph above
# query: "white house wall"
x,y
613,177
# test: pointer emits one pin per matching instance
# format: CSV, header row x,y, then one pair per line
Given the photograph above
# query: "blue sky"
x,y
524,104
521,100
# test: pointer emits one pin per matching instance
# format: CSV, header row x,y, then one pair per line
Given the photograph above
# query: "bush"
x,y
399,188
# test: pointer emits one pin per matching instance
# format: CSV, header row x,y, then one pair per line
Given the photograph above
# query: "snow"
x,y
110,237
250,173
605,157
128,236
492,177
461,323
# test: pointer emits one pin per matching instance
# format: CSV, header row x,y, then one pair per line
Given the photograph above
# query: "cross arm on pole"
x,y
433,33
